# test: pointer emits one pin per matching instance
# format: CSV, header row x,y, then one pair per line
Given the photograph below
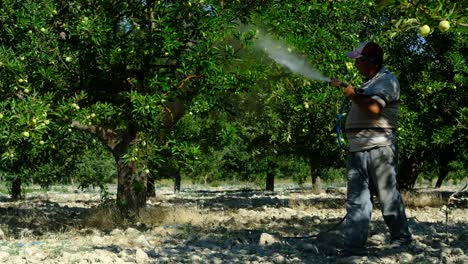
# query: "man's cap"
x,y
370,50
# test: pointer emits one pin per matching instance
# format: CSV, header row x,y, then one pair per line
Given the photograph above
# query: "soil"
x,y
225,224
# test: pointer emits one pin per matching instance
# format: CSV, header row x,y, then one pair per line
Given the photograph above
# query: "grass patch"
x,y
110,217
412,199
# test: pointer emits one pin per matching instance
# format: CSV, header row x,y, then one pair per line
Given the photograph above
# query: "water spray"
x,y
282,54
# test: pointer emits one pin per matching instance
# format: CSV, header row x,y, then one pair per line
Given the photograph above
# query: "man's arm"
x,y
363,101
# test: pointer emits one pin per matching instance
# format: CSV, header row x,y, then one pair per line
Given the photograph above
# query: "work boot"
x,y
348,257
399,243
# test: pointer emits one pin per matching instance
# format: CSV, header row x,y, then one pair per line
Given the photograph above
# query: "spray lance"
x,y
340,115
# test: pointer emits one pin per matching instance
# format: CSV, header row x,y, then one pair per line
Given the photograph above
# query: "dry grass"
x,y
423,199
111,218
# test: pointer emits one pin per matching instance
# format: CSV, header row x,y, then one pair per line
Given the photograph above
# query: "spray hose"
x,y
338,124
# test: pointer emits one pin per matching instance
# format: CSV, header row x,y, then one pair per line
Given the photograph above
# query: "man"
x,y
372,159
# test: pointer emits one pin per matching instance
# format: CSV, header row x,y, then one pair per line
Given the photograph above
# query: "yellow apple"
x,y
424,30
444,25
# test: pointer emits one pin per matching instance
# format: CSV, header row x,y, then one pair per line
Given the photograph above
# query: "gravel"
x,y
220,225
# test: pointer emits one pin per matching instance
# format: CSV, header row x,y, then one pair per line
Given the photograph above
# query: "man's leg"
x,y
358,204
383,168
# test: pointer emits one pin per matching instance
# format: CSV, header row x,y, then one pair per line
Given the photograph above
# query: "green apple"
x,y
93,115
25,134
41,142
1,115
147,171
424,30
68,59
444,25
74,105
46,122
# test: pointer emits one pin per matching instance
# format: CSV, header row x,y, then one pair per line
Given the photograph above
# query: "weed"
x,y
423,199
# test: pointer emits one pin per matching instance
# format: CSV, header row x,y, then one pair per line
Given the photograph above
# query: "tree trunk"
x,y
131,188
270,181
177,181
408,174
444,168
150,187
16,189
316,182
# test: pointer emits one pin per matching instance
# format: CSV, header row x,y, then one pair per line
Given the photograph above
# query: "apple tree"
x,y
122,70
425,16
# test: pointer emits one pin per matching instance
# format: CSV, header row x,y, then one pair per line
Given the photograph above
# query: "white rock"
x,y
116,232
132,231
141,257
4,256
96,240
457,252
316,219
356,260
142,242
216,260
308,247
196,259
16,260
406,258
279,259
268,239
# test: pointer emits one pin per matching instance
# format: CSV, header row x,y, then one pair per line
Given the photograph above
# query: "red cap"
x,y
370,50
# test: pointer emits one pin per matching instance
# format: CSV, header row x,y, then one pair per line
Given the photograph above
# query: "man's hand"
x,y
335,82
349,91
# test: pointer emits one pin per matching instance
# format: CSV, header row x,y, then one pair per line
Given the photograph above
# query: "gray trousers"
x,y
378,166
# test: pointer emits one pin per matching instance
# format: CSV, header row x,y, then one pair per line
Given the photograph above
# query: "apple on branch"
x,y
424,30
444,25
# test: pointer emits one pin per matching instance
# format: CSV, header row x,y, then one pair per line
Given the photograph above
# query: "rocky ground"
x,y
222,225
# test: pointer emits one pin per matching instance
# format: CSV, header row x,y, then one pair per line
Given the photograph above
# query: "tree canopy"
x,y
181,85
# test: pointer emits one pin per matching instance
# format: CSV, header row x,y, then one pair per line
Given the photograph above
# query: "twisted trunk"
x,y
131,186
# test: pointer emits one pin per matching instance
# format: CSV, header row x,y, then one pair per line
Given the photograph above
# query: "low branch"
x,y
107,136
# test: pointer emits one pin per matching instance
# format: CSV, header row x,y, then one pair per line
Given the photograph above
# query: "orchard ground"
x,y
225,224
